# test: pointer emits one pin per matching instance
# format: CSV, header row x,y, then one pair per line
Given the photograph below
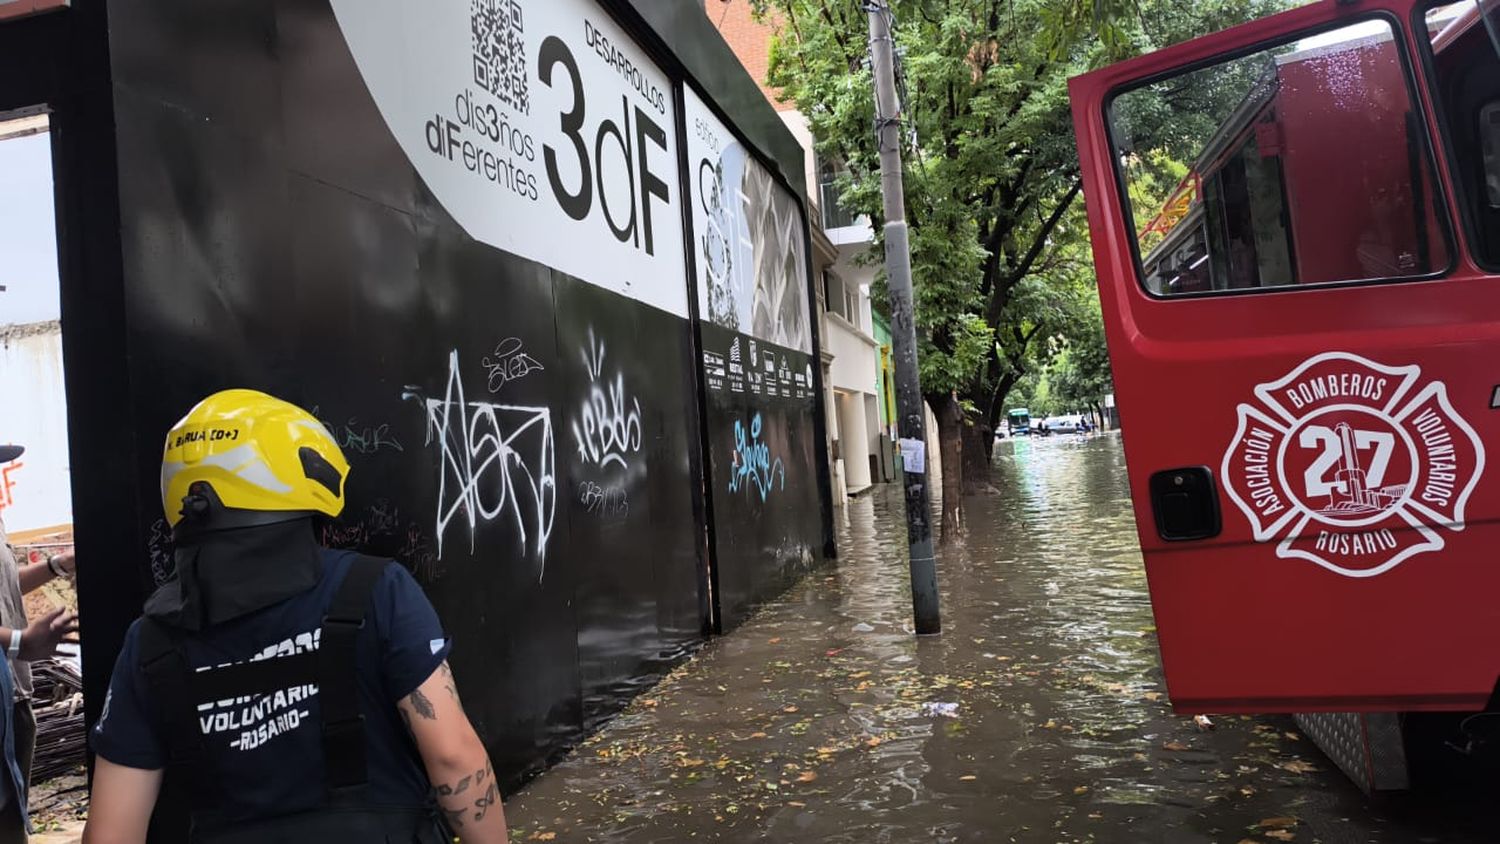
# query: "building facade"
x,y
859,446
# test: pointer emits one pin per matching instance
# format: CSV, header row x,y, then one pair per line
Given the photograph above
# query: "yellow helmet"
x,y
255,452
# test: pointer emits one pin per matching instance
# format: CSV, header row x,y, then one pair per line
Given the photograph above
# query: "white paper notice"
x,y
914,455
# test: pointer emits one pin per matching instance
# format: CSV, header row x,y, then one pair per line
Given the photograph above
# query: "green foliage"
x,y
1003,277
1080,377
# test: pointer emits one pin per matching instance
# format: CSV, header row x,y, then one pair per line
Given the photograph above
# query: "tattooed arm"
x,y
456,761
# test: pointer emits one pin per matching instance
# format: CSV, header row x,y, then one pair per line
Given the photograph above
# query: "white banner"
x,y
747,235
540,126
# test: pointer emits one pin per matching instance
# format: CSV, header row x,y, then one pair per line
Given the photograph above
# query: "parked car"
x,y
1069,424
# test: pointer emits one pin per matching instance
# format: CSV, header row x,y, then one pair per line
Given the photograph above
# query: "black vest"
x,y
178,690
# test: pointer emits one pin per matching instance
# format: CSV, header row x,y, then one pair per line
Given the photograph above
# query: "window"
x,y
1464,42
1302,163
830,196
833,294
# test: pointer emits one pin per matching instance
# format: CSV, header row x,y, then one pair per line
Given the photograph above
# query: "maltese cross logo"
x,y
1353,465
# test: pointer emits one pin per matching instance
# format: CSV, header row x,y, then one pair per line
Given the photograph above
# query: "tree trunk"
x,y
979,444
950,424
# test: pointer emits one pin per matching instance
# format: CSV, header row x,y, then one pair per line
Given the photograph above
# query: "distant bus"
x,y
1020,421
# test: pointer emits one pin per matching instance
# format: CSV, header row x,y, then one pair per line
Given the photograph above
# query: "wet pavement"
x,y
1038,714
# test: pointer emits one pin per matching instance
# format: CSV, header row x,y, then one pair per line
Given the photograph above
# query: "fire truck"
x,y
1296,230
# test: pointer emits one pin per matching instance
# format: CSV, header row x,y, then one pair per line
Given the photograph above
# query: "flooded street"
x,y
1038,714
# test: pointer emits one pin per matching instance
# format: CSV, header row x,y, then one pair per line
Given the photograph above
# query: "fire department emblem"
x,y
1351,464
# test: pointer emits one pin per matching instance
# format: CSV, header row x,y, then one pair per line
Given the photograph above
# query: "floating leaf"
x,y
1175,746
1281,835
807,776
1277,823
967,778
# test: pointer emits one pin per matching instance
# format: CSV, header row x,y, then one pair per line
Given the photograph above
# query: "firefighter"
x,y
297,693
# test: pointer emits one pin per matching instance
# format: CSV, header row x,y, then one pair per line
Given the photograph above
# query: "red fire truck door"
x,y
1294,227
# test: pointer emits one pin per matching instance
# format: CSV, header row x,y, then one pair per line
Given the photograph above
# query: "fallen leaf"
x,y
790,709
799,804
1082,789
757,735
648,702
1292,736
967,778
1281,835
775,640
1050,725
1152,696
543,836
1203,723
834,651
874,741
807,776
1175,746
1297,766
1277,823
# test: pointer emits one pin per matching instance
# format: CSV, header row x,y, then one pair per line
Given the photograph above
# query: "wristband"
x,y
15,644
52,567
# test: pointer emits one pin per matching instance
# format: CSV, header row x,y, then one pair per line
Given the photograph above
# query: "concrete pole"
x,y
910,423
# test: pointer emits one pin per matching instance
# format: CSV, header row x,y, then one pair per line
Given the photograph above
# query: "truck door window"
x,y
1301,163
1465,56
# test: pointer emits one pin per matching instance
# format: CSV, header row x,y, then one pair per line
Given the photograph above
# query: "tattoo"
x,y
483,804
463,785
455,816
422,705
448,681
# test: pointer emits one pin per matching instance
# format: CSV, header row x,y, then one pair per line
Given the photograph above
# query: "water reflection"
x,y
1038,715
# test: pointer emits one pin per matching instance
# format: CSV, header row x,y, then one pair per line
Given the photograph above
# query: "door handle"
x,y
1185,503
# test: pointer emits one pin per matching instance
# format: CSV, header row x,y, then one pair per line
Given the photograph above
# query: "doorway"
x,y
36,507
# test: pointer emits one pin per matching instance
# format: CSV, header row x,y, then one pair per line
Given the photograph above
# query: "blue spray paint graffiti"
x,y
753,464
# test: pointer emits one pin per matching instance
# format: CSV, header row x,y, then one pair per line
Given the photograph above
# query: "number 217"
x,y
1318,475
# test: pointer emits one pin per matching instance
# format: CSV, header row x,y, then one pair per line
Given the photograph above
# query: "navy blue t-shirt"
x,y
266,751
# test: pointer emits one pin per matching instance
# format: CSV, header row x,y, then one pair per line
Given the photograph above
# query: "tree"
x,y
999,259
1080,378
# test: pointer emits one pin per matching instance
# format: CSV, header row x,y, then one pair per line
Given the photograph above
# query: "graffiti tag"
x,y
509,363
497,464
603,501
608,426
752,464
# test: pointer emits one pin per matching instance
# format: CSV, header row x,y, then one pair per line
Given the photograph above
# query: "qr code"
x,y
500,51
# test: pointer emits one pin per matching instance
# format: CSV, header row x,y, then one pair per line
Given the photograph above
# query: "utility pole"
x,y
911,422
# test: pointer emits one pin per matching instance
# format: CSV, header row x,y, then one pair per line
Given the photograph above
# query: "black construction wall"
x,y
286,244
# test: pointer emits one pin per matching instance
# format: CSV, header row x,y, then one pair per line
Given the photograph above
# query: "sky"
x,y
28,231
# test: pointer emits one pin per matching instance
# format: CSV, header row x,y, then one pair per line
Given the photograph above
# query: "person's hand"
x,y
39,639
65,562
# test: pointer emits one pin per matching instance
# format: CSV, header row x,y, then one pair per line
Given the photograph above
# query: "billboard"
x,y
541,126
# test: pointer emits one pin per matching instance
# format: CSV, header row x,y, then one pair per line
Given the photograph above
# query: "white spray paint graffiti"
x,y
608,426
752,462
497,462
509,363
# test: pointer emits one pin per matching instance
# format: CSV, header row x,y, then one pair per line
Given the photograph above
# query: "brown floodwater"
x,y
1038,715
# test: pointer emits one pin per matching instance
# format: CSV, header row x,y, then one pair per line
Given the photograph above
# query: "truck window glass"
x,y
1303,163
1466,78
